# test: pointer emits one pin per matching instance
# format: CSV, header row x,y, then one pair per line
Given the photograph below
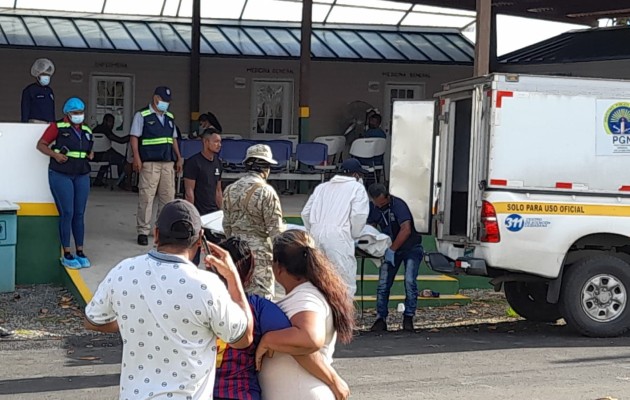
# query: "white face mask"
x,y
162,106
44,80
77,119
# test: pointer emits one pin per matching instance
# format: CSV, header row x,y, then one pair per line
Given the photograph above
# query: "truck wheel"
x,y
594,298
529,300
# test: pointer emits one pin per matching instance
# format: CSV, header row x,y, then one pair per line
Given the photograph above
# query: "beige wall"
x,y
335,84
617,69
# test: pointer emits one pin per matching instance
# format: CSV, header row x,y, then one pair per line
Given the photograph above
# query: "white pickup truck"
x,y
531,188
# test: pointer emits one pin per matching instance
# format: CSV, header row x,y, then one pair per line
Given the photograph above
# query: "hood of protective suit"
x,y
343,179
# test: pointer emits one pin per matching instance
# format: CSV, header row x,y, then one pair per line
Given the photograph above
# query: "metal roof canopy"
x,y
365,43
570,11
602,45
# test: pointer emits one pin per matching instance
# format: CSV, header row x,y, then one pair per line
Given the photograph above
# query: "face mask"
x,y
162,106
77,119
44,80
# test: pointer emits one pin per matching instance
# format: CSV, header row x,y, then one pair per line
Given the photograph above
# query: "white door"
x,y
272,107
112,95
393,92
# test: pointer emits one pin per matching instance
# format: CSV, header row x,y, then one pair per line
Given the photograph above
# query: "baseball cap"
x,y
178,221
352,165
262,152
163,92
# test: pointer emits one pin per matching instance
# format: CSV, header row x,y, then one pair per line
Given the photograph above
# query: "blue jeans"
x,y
412,259
71,194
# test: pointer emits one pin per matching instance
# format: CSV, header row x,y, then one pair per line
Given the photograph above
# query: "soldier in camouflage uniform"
x,y
252,212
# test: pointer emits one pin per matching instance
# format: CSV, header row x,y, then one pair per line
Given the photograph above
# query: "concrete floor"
x,y
111,230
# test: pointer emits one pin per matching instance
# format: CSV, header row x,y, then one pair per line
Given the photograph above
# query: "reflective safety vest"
x,y
74,145
156,142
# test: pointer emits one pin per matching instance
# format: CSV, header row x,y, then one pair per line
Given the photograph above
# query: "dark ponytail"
x,y
295,251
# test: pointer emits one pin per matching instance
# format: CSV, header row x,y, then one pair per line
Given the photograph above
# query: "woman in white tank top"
x,y
320,311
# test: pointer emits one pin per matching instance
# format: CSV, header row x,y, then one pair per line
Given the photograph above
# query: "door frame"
x,y
288,127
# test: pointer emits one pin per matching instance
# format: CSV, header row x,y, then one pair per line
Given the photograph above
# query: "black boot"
x,y
379,326
408,323
143,240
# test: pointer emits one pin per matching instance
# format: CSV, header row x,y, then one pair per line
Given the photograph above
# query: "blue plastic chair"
x,y
233,153
281,150
312,155
189,148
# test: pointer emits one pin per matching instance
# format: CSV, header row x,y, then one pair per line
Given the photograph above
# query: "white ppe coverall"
x,y
335,216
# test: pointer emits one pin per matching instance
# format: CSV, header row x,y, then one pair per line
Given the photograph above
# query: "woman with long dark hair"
x,y
320,310
236,377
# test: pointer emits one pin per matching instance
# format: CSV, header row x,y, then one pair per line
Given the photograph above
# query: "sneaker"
x,y
379,326
5,333
143,240
408,324
71,263
84,261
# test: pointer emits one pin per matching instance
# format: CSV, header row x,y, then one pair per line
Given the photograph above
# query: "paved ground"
x,y
111,229
515,360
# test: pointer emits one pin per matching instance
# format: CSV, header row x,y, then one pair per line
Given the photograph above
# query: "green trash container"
x,y
8,240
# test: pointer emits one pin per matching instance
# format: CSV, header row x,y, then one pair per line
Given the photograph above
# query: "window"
x,y
15,31
41,32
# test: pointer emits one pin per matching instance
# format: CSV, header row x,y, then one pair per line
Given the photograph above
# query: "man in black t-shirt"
x,y
202,174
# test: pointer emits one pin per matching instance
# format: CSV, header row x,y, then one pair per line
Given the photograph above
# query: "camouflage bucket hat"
x,y
262,152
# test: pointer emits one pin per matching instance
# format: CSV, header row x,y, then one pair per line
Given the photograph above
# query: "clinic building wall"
x,y
612,69
226,83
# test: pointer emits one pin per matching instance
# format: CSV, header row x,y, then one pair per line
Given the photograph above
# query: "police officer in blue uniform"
x,y
38,99
68,143
156,157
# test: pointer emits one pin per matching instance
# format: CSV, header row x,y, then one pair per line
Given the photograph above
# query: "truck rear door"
x,y
412,153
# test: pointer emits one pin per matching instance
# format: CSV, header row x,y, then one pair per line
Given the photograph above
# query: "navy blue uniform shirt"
x,y
389,218
38,102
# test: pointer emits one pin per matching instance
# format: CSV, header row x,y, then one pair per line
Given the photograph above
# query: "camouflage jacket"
x,y
251,209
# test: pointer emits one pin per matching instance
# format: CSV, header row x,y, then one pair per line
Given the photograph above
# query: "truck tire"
x,y
529,300
594,297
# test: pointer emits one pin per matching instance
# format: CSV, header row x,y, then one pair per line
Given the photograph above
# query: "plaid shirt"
x,y
236,369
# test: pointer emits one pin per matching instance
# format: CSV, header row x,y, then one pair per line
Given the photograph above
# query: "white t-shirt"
x,y
170,314
281,377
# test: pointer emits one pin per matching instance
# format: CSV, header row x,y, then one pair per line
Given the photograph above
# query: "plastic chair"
x,y
189,148
313,155
101,144
281,150
233,153
294,139
366,149
336,145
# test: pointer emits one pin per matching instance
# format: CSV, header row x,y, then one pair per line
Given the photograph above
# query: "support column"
x,y
305,69
482,43
195,61
494,59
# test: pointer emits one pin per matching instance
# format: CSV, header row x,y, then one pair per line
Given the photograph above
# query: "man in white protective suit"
x,y
335,215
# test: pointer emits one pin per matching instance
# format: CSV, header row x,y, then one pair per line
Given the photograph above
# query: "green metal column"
x,y
305,69
195,64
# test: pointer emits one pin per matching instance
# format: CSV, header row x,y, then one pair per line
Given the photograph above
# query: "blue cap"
x,y
73,104
352,165
163,92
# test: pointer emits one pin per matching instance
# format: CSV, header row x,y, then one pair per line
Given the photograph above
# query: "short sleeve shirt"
x,y
137,125
389,220
170,314
207,175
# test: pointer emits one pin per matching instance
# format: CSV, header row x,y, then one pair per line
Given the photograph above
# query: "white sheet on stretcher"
x,y
371,241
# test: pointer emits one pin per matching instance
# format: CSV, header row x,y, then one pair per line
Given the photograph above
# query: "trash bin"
x,y
8,240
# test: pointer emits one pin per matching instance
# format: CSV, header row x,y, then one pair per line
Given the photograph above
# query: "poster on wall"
x,y
613,127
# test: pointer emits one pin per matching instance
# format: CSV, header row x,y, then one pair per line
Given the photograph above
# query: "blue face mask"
x,y
44,80
162,105
77,119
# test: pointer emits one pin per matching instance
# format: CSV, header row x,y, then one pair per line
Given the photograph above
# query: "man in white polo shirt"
x,y
169,313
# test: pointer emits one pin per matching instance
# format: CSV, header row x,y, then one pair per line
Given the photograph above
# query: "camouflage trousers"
x,y
263,282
